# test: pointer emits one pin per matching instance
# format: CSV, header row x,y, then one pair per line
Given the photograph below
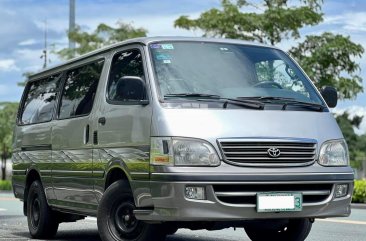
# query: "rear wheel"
x,y
279,230
116,220
170,229
42,222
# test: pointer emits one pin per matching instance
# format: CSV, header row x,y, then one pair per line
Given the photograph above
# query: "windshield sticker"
x,y
167,46
162,56
167,61
155,46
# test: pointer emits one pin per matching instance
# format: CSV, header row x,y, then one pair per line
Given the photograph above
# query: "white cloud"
x,y
28,54
350,21
157,25
28,42
8,65
32,59
355,111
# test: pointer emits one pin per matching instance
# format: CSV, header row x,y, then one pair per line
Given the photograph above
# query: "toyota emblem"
x,y
274,152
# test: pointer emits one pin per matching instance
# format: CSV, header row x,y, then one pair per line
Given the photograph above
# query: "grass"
x,y
5,185
359,195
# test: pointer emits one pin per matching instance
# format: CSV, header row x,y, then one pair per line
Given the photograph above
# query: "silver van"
x,y
152,135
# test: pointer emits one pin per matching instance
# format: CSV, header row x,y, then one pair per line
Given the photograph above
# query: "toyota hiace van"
x,y
152,135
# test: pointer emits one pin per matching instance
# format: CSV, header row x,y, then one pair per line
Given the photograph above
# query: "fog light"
x,y
197,193
341,190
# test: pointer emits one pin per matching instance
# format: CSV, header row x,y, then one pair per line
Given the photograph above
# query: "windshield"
x,y
199,69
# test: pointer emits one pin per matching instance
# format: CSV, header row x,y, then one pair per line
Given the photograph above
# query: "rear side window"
x,y
40,100
79,90
126,63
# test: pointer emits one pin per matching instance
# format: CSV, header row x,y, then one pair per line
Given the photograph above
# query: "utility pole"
x,y
44,54
72,25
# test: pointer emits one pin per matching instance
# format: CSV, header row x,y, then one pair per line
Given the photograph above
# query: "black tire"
x,y
116,220
279,230
42,221
170,230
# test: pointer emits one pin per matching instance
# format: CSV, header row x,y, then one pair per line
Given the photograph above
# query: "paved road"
x,y
13,226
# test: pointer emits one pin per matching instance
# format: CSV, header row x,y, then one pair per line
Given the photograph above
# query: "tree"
x,y
103,35
8,112
356,144
26,76
327,58
276,20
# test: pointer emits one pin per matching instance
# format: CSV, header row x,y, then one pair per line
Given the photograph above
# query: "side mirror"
x,y
131,89
330,96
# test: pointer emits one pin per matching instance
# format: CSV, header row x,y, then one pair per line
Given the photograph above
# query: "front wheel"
x,y
279,230
116,220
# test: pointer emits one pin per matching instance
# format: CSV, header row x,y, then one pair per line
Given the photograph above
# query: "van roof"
x,y
145,41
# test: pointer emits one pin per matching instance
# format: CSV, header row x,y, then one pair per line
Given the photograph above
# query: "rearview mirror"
x,y
330,96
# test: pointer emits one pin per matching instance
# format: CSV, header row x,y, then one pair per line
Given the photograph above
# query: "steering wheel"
x,y
268,84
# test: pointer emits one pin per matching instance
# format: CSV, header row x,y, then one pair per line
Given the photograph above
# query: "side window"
x,y
40,100
126,63
79,90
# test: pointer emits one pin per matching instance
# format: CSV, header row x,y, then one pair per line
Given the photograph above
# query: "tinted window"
x,y
127,63
40,100
79,90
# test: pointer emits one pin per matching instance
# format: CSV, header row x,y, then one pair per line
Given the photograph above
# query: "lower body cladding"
x,y
238,200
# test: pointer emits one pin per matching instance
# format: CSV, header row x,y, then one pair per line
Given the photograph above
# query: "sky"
x,y
22,31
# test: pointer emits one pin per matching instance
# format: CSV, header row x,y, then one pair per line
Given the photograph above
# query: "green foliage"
x,y
329,59
26,76
5,185
100,37
359,194
356,144
275,21
8,112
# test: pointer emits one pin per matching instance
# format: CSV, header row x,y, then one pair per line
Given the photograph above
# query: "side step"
x,y
143,211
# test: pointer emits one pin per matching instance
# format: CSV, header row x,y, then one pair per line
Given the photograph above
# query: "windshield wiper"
x,y
245,103
253,104
192,95
264,98
286,101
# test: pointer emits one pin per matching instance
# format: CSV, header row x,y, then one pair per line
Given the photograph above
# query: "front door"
x,y
124,124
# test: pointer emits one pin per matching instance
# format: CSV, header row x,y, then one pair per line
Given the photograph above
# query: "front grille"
x,y
246,194
256,153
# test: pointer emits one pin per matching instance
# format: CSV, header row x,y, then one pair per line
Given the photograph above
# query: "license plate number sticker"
x,y
279,202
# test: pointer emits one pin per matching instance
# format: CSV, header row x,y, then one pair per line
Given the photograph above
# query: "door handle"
x,y
102,121
87,132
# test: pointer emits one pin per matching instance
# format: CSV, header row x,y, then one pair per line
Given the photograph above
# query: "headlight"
x,y
334,153
182,152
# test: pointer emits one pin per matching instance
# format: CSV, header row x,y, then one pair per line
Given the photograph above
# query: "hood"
x,y
213,124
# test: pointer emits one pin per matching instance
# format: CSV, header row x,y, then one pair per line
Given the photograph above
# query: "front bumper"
x,y
170,203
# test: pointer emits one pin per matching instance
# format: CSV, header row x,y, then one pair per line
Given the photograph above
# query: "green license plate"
x,y
279,202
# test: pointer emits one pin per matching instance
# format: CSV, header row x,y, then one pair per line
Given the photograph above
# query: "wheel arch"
x,y
117,169
115,173
32,175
